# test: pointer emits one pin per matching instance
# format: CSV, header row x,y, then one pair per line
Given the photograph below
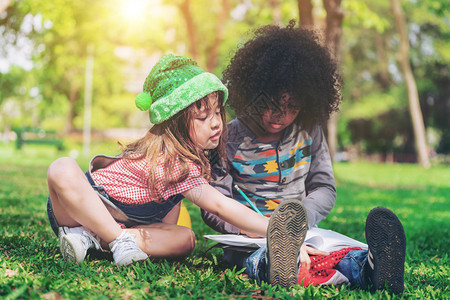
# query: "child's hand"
x,y
305,251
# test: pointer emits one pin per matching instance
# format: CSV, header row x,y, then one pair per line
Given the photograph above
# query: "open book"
x,y
322,239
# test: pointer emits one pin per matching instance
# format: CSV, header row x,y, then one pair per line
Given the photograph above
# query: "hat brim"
x,y
186,94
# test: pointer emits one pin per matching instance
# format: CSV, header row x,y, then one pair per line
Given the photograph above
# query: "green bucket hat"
x,y
174,83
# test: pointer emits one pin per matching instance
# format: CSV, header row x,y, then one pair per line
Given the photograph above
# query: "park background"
x,y
74,68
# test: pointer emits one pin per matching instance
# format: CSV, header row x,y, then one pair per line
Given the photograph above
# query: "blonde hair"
x,y
170,142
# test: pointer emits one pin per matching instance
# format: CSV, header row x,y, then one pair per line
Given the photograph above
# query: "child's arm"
x,y
320,188
224,186
223,182
231,211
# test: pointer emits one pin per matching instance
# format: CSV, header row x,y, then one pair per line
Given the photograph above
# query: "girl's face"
x,y
279,116
206,123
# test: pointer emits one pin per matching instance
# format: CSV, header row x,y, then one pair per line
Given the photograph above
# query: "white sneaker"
x,y
75,242
125,249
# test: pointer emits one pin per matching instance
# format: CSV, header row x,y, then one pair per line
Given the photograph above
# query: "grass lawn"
x,y
31,265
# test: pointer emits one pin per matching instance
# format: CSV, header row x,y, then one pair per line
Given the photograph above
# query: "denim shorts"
x,y
130,215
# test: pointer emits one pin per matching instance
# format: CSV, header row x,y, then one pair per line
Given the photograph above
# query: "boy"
x,y
283,86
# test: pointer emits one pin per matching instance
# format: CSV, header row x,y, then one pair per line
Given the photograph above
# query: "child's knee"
x,y
186,242
61,169
190,242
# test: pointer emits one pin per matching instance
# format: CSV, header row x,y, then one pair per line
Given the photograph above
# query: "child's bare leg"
x,y
75,203
164,240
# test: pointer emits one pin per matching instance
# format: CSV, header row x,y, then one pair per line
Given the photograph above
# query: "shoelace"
x,y
89,239
126,243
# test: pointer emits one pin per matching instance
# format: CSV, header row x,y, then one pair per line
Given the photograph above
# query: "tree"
x,y
333,33
209,31
185,9
3,5
10,84
61,67
413,96
208,49
213,53
305,13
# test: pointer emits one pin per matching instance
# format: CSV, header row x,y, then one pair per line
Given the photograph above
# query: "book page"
x,y
322,239
237,240
329,240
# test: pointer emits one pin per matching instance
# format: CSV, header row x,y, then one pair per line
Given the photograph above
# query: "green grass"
x,y
31,265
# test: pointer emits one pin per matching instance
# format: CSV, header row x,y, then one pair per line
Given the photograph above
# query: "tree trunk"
x,y
220,29
190,27
276,11
413,95
4,5
69,126
6,128
305,13
333,33
383,76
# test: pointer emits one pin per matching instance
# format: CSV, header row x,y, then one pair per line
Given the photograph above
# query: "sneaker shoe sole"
x,y
387,246
137,256
285,235
72,250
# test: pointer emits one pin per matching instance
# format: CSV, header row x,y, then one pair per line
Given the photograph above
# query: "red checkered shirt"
x,y
126,180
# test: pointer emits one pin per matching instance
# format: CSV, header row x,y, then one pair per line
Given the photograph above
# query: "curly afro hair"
x,y
284,60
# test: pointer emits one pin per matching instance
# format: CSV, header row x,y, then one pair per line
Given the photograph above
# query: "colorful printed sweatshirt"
x,y
296,167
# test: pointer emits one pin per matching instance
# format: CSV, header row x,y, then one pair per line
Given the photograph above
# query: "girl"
x,y
130,203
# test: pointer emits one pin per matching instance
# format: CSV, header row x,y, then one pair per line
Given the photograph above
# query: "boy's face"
x,y
206,125
280,115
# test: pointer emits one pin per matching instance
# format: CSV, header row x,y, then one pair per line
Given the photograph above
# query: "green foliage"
x,y
63,30
370,122
365,14
374,104
31,266
53,115
10,82
68,29
373,90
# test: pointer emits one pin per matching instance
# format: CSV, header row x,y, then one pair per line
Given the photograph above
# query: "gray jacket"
x,y
296,167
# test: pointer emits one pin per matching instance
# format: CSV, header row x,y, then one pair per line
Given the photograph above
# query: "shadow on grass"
x,y
424,213
29,221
